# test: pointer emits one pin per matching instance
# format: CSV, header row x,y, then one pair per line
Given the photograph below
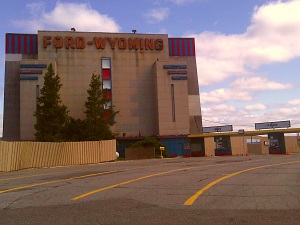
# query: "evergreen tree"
x,y
51,115
99,113
75,130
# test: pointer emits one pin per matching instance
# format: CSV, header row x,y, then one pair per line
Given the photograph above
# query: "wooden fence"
x,y
23,155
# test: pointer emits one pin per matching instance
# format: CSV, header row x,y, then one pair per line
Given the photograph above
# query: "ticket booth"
x,y
223,146
277,143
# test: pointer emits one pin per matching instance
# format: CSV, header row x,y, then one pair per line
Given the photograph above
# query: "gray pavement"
x,y
154,192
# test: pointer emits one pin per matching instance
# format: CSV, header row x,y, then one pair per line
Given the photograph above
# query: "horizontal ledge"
x,y
177,72
179,77
25,71
29,78
33,65
174,66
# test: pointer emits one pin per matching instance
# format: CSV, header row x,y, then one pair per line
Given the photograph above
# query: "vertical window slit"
x,y
37,91
173,103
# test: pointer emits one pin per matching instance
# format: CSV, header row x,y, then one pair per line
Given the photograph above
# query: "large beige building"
x,y
151,78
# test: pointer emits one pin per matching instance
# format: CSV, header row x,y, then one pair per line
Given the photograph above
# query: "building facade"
x,y
151,79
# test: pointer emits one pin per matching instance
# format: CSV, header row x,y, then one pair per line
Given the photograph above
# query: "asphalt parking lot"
x,y
210,190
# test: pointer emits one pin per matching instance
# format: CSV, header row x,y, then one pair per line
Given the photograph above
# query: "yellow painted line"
x,y
123,183
54,181
149,176
192,199
37,175
22,177
80,177
62,180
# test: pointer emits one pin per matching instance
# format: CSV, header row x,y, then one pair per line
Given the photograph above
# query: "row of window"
x,y
106,79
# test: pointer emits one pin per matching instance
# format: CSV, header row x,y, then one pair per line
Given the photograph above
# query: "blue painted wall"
x,y
175,146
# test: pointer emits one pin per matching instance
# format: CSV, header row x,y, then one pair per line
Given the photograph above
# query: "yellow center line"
x,y
73,178
55,181
153,175
123,183
192,199
21,177
62,180
37,175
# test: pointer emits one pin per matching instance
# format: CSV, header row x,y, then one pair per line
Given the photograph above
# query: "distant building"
x,y
152,81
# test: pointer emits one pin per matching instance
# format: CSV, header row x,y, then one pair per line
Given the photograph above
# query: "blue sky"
x,y
248,52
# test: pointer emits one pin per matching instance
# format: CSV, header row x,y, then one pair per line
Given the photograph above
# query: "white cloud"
x,y
290,111
224,114
67,15
245,119
219,110
257,84
157,15
35,8
295,102
273,36
255,107
225,107
181,2
223,95
242,89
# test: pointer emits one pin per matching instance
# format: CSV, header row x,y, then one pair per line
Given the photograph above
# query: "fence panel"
x,y
23,155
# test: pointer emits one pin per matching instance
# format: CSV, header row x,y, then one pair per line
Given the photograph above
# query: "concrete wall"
x,y
292,144
210,146
131,73
172,119
23,155
263,148
11,112
11,115
77,55
28,99
239,145
195,115
27,107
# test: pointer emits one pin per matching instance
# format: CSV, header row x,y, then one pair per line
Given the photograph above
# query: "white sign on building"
x,y
217,129
272,125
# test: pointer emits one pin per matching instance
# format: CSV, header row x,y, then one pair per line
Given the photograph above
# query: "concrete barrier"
x,y
23,155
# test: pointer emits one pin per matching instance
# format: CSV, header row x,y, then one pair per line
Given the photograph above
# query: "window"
x,y
173,102
105,63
